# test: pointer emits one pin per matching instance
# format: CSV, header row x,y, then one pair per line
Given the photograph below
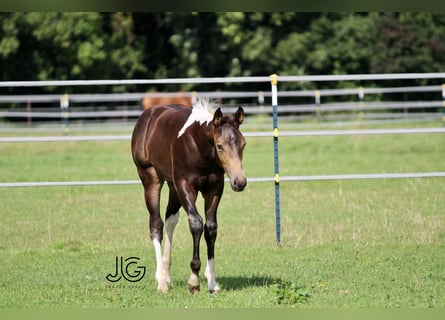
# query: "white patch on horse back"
x,y
202,112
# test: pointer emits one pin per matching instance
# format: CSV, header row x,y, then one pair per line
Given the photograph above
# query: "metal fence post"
x,y
443,104
64,105
317,95
29,110
273,82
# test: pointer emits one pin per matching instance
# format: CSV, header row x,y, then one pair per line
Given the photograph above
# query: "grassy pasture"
x,y
375,243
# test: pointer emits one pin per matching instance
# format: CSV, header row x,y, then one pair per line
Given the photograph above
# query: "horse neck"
x,y
202,136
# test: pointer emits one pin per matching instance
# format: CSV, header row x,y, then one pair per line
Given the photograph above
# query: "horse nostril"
x,y
240,185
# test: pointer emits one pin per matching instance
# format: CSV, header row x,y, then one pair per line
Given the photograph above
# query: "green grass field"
x,y
364,243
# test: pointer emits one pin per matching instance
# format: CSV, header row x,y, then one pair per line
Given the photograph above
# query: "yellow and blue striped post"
x,y
273,82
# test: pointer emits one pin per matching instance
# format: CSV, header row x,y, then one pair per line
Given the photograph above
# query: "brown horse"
x,y
190,149
150,100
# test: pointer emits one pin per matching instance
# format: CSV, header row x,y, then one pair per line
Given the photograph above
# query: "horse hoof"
x,y
214,290
163,289
194,289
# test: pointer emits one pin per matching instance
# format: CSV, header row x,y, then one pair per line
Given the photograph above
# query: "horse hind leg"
x,y
152,193
171,220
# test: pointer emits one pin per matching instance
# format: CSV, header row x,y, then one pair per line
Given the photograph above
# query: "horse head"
x,y
229,144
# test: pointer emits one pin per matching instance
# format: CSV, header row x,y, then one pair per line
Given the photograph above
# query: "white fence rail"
x,y
364,176
316,107
113,97
266,79
130,101
328,107
246,134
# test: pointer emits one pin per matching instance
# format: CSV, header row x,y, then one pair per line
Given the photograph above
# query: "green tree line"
x,y
93,45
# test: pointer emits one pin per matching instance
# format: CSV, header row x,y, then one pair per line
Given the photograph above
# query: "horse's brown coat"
x,y
191,163
151,100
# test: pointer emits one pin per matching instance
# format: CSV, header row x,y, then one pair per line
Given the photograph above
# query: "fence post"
x,y
361,96
29,110
273,82
64,105
194,97
443,104
261,99
317,95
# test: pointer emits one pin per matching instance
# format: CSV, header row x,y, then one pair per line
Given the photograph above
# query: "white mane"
x,y
202,111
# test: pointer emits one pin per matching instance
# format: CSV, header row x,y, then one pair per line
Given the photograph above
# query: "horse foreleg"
x,y
187,196
210,229
196,228
211,276
211,198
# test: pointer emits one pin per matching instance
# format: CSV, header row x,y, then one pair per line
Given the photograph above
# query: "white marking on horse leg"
x,y
160,274
211,276
193,282
170,225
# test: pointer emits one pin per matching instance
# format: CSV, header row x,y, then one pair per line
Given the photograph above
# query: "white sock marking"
x,y
170,225
159,275
211,276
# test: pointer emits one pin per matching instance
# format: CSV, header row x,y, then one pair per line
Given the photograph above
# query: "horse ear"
x,y
217,117
239,115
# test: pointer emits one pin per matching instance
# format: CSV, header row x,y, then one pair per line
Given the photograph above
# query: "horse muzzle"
x,y
238,184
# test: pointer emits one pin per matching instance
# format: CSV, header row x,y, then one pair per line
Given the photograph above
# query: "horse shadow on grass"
x,y
241,282
230,283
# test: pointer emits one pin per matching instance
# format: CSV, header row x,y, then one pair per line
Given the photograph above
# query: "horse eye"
x,y
220,147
